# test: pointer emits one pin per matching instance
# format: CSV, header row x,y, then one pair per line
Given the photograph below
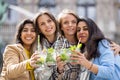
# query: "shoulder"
x,y
13,47
104,43
104,46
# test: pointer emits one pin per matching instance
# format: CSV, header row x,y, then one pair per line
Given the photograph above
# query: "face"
x,y
82,32
46,25
28,34
68,24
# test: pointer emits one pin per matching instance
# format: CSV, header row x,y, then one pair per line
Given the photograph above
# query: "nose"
x,y
81,31
29,32
47,24
70,23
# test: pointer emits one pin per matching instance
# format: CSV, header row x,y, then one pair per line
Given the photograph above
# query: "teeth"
x,y
48,29
28,38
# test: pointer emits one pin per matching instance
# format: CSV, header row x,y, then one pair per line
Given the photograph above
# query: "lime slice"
x,y
41,60
64,57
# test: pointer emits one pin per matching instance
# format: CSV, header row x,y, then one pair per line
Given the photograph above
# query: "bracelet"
x,y
90,66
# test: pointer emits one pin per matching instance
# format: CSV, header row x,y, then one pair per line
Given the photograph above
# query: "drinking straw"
x,y
79,41
38,46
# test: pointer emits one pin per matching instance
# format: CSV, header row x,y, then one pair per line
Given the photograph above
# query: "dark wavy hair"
x,y
95,35
20,28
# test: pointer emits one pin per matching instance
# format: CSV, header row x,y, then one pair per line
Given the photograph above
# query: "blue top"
x,y
105,63
117,67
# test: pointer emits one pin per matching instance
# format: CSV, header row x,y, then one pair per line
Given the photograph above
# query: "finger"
x,y
35,54
75,62
74,51
58,59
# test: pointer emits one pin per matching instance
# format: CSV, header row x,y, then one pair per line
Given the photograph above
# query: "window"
x,y
119,14
48,4
86,8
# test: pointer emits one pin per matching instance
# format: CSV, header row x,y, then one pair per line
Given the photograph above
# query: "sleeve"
x,y
56,75
14,68
106,60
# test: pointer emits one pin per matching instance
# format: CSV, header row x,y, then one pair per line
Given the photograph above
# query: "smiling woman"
x,y
17,62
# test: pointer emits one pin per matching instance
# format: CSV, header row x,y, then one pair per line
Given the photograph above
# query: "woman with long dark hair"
x,y
19,60
96,57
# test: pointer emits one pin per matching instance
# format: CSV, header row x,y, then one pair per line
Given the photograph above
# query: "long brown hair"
x,y
44,12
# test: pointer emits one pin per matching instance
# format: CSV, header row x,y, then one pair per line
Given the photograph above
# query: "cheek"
x,y
34,34
42,30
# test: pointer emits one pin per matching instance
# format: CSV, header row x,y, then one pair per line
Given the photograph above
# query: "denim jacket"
x,y
105,62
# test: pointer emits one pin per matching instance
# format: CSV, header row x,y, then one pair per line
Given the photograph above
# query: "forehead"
x,y
68,16
42,17
81,24
28,25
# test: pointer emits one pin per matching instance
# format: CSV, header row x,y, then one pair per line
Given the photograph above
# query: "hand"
x,y
60,64
78,58
115,47
33,60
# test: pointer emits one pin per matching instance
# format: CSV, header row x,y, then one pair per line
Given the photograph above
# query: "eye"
x,y
78,30
74,21
33,30
49,20
66,22
41,24
24,30
85,29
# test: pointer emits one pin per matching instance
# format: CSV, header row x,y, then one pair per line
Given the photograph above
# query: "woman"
x,y
47,27
96,56
19,62
67,25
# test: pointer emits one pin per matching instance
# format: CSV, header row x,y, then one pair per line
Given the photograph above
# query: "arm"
x,y
58,69
15,68
11,61
103,66
105,62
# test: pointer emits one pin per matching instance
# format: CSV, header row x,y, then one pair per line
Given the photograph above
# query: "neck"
x,y
27,47
71,39
51,38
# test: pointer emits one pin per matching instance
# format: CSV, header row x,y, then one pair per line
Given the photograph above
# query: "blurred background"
x,y
106,13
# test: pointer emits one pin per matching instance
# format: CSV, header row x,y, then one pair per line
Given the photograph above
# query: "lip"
x,y
49,29
70,29
82,37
